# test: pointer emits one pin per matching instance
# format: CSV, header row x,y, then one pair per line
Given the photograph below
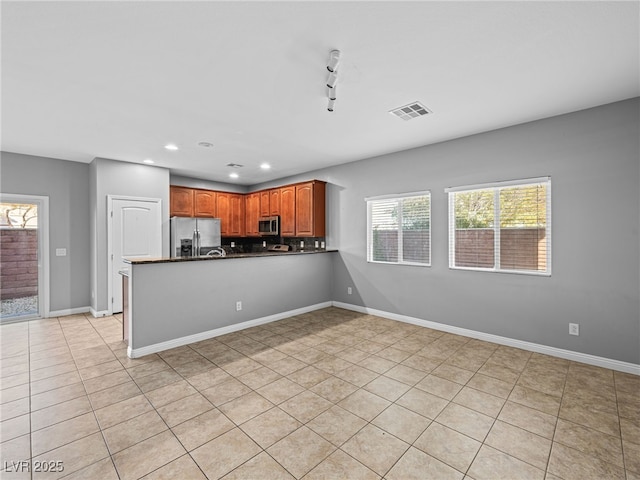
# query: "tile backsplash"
x,y
250,245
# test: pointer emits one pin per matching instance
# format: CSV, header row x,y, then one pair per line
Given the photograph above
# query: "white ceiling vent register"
x,y
413,110
234,165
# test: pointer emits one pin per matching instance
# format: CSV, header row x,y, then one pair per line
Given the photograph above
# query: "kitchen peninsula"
x,y
180,300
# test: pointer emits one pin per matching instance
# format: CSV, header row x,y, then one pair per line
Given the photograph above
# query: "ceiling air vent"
x,y
234,165
413,110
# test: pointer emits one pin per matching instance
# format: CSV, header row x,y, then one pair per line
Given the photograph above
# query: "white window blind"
x,y
399,229
502,227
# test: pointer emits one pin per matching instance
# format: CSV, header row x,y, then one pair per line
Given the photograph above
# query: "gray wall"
x,y
591,155
207,184
67,186
205,297
593,159
110,177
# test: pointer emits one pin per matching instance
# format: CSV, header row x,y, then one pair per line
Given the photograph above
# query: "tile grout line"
x,y
333,339
555,426
30,423
92,411
622,449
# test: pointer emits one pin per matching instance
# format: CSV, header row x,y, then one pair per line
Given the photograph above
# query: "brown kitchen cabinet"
x,y
264,203
310,209
237,214
252,214
288,211
301,208
204,203
230,210
274,201
181,201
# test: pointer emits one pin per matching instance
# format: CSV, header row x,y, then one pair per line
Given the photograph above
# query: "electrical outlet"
x,y
301,243
349,290
574,329
233,244
317,244
238,306
321,244
264,244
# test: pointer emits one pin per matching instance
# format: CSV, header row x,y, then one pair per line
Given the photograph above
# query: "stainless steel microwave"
x,y
269,225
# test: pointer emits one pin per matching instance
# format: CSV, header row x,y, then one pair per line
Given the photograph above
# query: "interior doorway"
x,y
24,257
134,230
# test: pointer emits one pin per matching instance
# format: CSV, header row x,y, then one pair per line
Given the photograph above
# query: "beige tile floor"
x,y
330,394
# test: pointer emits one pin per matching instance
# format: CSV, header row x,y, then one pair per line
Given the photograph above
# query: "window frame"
x,y
397,197
497,187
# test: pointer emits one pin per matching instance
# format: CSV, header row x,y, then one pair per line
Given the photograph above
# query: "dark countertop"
x,y
142,261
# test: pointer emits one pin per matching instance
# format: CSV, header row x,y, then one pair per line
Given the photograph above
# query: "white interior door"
x,y
136,232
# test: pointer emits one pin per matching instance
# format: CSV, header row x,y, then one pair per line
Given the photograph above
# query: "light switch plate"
x,y
61,252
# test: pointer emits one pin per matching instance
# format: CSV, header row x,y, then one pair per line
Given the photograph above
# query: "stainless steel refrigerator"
x,y
191,237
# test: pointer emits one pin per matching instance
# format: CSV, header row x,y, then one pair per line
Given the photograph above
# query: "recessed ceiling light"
x,y
233,175
205,144
265,166
171,146
149,161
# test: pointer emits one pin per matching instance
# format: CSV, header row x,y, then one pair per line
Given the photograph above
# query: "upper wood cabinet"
x,y
223,207
237,214
230,210
274,201
204,203
181,201
310,209
252,214
301,208
264,203
288,211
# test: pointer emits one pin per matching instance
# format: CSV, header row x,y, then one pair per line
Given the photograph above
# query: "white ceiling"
x,y
120,80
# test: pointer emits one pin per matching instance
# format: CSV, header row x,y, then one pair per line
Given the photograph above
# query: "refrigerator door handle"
x,y
195,244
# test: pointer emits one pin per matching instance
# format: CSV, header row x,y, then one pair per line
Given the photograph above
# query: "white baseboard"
x,y
198,337
529,346
99,313
69,311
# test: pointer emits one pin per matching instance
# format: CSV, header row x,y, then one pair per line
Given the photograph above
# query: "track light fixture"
x,y
334,59
332,92
332,79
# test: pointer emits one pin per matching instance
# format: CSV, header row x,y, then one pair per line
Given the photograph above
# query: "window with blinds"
x,y
399,229
502,227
